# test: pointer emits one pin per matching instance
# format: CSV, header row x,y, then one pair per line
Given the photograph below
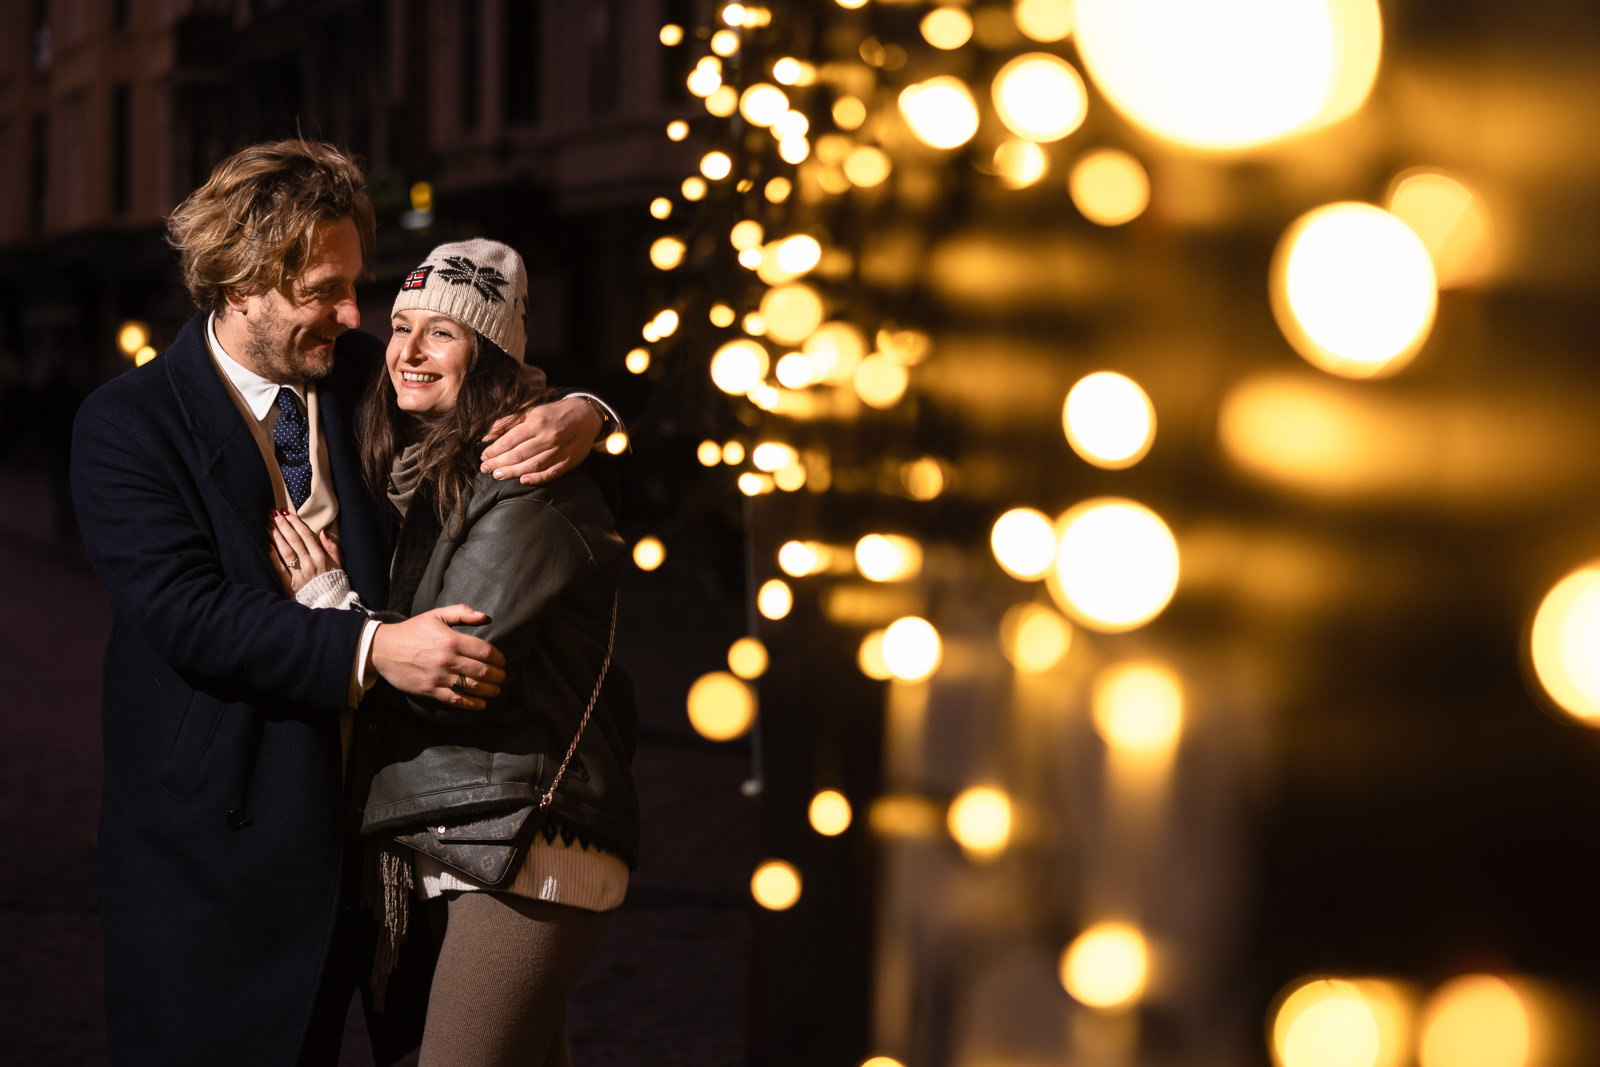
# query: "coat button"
x,y
238,819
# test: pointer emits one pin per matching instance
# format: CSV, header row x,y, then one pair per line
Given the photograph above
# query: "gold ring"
x,y
293,563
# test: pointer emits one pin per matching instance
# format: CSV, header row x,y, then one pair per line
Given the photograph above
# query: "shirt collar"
x,y
260,394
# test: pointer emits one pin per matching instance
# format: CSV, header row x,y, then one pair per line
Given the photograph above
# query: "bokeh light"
x,y
761,104
798,559
1138,707
940,111
778,189
775,885
649,553
721,316
721,707
1109,187
1109,420
703,81
773,455
746,233
797,255
716,165
792,312
1044,20
867,166
738,365
1020,163
747,658
774,599
980,821
1452,222
1106,966
733,453
709,453
1476,1020
1353,290
888,558
723,102
1336,1022
724,42
869,657
947,27
666,252
1116,567
924,479
1034,638
1024,543
1040,97
849,113
132,336
672,35
677,130
1565,644
880,381
911,648
694,188
1230,74
829,813
835,351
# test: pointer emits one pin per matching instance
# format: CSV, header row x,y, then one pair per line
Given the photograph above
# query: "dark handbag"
x,y
490,849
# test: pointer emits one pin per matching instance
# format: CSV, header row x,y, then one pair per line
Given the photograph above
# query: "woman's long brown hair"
x,y
494,386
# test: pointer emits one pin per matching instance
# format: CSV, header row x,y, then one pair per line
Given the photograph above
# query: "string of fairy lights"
x,y
793,340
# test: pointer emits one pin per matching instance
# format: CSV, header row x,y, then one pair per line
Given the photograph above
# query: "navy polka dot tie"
x,y
291,440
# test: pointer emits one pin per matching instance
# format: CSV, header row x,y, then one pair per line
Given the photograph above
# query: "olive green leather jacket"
x,y
541,562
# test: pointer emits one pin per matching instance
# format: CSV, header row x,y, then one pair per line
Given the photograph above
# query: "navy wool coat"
x,y
222,815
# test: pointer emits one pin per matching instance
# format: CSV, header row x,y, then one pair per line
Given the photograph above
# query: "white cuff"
x,y
362,677
330,589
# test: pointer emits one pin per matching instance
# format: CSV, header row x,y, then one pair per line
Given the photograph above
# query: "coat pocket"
x,y
196,730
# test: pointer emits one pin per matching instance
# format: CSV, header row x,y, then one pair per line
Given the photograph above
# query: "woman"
x,y
541,562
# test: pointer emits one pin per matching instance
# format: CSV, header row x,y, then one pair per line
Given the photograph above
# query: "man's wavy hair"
x,y
248,229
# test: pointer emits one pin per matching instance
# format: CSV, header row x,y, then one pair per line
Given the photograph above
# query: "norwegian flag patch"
x,y
417,278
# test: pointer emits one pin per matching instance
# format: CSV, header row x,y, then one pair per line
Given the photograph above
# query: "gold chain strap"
x,y
572,749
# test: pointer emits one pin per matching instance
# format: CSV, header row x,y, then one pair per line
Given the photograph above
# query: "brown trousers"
x,y
506,968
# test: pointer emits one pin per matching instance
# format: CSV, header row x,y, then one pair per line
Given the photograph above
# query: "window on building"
x,y
121,144
471,12
522,62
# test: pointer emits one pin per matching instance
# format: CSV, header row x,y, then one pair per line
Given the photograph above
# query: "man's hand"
x,y
423,656
548,441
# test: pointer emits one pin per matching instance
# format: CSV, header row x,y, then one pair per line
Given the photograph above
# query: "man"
x,y
226,705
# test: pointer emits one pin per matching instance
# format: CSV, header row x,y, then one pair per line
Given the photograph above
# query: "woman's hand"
x,y
298,555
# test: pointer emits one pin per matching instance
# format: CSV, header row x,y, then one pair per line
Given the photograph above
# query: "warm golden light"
x,y
923,478
774,600
888,558
716,165
738,365
1452,222
775,885
1335,1022
849,113
721,316
746,233
671,35
1116,567
694,188
829,813
1353,290
1138,707
1020,163
792,312
1109,187
869,657
709,453
791,71
835,351
791,478
1040,97
747,658
1044,20
778,189
649,553
750,258
144,355
1476,1020
867,166
851,5
940,111
880,381
1024,543
1566,644
754,323
666,252
703,81
660,207
677,130
797,255
1034,638
723,102
798,559
733,14
733,453
980,821
752,484
724,42
1109,420
1106,966
882,1061
721,707
133,336
912,649
1234,74
773,455
947,27
616,442
794,370
761,104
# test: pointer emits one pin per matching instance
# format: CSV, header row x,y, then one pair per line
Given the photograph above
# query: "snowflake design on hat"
x,y
486,280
